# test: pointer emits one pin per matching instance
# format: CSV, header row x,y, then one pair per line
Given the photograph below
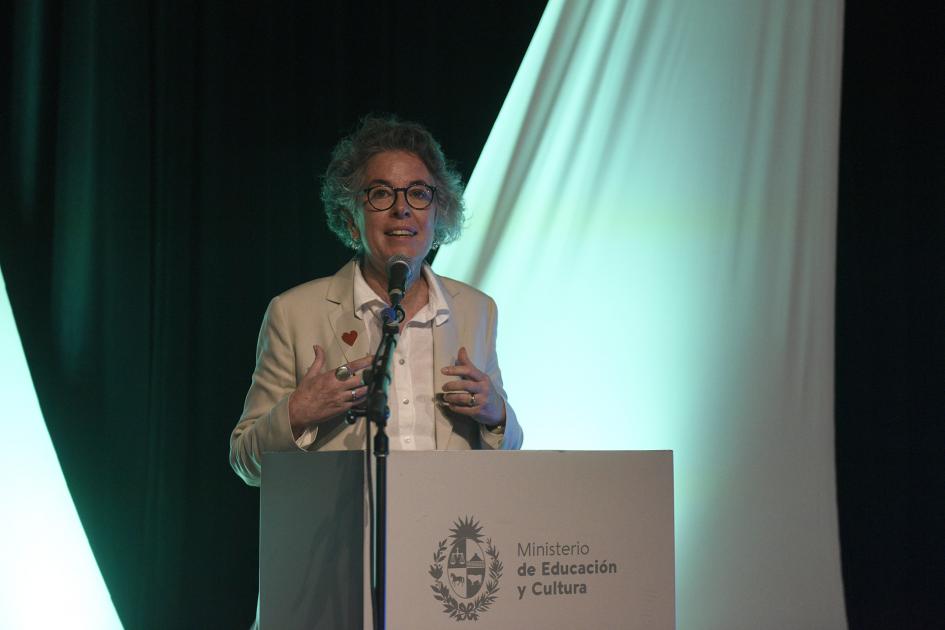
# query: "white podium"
x,y
476,539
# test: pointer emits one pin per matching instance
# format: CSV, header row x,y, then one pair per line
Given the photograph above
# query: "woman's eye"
x,y
419,193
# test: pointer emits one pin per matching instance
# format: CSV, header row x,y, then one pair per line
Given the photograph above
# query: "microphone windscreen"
x,y
398,275
398,259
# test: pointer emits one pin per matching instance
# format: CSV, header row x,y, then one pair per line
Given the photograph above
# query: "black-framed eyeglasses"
x,y
382,197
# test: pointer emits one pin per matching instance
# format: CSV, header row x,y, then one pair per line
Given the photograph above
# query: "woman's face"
x,y
401,229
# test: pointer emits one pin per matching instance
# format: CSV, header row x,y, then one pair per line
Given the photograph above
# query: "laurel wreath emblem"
x,y
441,592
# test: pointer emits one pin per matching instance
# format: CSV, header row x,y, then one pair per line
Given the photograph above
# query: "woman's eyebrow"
x,y
387,183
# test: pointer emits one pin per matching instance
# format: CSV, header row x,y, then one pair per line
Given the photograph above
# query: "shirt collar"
x,y
366,300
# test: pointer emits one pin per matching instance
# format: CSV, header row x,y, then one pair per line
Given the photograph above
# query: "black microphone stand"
x,y
377,412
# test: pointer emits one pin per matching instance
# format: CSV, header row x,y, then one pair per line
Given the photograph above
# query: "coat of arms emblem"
x,y
473,569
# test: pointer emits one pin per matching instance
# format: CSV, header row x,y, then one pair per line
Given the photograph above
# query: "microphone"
x,y
398,272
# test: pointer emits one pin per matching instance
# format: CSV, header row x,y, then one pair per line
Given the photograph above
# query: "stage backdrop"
x,y
654,212
42,544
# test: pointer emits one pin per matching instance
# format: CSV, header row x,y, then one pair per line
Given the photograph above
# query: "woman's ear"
x,y
352,228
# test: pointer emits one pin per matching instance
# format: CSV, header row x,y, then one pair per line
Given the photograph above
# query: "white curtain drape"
x,y
48,575
654,212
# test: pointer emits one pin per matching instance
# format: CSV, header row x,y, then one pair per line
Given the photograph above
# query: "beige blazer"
x,y
322,312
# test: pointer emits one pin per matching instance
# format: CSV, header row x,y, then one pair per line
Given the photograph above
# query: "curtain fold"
x,y
654,212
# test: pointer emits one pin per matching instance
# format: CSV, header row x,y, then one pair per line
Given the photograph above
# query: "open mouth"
x,y
401,233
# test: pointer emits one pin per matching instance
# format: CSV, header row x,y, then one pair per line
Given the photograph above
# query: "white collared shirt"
x,y
412,424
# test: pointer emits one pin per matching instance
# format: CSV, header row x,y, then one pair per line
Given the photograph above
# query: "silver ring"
x,y
343,373
354,395
472,400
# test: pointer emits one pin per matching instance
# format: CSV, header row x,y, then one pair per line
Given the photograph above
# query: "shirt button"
x,y
407,440
401,362
406,401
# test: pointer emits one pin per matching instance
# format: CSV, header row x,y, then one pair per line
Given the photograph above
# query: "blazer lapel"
x,y
348,329
445,347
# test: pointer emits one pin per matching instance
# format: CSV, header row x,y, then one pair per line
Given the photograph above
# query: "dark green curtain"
x,y
160,184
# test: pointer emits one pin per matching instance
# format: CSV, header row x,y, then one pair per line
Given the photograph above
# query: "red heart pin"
x,y
349,337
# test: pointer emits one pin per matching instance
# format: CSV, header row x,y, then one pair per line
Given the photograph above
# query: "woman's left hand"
x,y
472,394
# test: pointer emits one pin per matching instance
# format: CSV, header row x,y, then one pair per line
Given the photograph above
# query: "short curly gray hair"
x,y
344,177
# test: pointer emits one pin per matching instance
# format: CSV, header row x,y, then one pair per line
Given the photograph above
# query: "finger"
x,y
318,362
463,367
362,369
464,361
463,386
360,364
464,371
465,399
347,370
463,409
351,396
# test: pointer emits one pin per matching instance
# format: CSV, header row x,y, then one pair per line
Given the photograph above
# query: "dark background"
x,y
160,184
890,323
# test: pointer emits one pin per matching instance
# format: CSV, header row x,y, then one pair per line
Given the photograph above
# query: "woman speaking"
x,y
388,194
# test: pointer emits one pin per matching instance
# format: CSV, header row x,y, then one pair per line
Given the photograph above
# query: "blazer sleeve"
x,y
511,436
264,425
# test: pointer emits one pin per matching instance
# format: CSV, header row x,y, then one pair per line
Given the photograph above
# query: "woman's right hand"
x,y
322,395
